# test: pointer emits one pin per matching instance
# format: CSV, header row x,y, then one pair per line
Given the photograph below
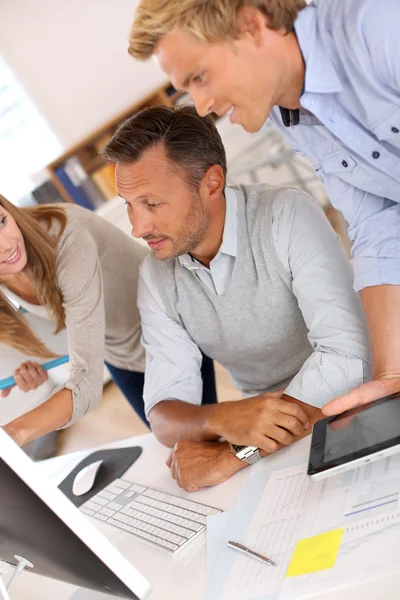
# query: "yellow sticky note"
x,y
315,553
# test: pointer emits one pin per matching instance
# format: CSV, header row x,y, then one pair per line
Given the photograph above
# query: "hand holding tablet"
x,y
360,435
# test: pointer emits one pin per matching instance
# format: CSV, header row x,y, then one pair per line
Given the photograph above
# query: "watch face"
x,y
238,448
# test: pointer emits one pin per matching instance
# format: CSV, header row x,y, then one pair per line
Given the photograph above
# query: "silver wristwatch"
x,y
248,454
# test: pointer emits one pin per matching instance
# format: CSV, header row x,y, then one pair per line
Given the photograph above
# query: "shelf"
x,y
83,157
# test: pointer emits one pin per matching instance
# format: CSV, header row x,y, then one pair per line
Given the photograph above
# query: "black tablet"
x,y
361,435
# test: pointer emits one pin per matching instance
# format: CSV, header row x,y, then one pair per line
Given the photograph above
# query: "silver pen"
x,y
245,550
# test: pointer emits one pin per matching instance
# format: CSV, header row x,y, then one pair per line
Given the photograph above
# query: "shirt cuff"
x,y
187,389
375,271
323,378
82,402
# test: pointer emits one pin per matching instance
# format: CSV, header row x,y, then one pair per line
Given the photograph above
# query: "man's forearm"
x,y
314,414
173,420
47,417
198,464
382,309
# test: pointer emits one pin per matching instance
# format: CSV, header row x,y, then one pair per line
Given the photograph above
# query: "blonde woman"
x,y
69,265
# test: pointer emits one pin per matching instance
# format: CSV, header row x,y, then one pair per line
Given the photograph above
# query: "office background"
x,y
65,72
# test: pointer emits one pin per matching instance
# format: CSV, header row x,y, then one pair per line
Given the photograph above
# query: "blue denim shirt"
x,y
350,123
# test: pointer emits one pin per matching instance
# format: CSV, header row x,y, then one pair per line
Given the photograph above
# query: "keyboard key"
x,y
137,488
107,511
87,511
92,505
100,517
99,500
169,545
115,506
152,494
120,483
106,495
113,489
204,510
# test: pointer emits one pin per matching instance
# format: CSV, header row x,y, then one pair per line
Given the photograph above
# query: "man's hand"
x,y
367,392
381,305
28,376
195,465
265,421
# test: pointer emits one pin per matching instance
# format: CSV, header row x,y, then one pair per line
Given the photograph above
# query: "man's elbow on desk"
x,y
198,464
175,420
264,421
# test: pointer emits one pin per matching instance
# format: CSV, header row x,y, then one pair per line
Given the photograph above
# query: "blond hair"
x,y
41,248
208,20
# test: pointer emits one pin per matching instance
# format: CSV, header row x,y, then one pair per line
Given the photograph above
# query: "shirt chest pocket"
x,y
341,166
339,163
327,155
388,130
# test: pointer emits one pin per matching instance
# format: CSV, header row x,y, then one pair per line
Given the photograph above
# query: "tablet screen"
x,y
355,434
348,434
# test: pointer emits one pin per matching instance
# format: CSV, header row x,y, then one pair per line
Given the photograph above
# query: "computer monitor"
x,y
40,524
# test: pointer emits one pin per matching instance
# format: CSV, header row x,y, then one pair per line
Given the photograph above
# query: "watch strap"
x,y
248,454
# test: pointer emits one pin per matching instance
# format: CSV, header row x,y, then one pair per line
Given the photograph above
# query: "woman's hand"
x,y
29,376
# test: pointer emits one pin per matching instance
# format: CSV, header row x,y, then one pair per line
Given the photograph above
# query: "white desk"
x,y
182,577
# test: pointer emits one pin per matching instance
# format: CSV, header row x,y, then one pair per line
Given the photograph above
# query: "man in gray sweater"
x,y
254,276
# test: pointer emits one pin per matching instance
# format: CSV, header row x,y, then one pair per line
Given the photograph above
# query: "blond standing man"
x,y
328,77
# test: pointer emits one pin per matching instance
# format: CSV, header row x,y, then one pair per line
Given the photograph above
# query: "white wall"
x,y
71,56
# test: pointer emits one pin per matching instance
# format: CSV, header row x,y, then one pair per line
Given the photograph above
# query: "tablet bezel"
x,y
316,464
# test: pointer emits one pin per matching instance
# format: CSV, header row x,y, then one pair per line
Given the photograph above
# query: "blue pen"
x,y
10,381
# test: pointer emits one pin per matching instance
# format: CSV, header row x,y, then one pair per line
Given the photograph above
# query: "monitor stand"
x,y
22,564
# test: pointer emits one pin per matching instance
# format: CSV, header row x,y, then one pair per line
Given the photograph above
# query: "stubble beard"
x,y
192,232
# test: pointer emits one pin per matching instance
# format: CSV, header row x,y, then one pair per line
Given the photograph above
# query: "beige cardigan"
x,y
97,272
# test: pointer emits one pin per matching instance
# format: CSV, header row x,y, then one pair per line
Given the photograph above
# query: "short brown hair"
x,y
208,20
189,141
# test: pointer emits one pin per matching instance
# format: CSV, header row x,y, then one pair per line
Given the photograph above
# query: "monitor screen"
x,y
38,523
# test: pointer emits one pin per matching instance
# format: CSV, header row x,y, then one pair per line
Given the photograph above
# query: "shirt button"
x,y
395,130
344,163
375,154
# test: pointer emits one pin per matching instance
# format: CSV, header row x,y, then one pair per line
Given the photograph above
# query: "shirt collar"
x,y
229,237
320,76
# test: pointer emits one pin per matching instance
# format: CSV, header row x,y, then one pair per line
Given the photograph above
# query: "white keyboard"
x,y
161,519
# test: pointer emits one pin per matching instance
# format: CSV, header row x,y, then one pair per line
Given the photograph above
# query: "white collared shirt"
x,y
217,277
303,240
351,51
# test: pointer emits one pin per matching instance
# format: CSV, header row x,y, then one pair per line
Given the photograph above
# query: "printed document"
x,y
363,502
